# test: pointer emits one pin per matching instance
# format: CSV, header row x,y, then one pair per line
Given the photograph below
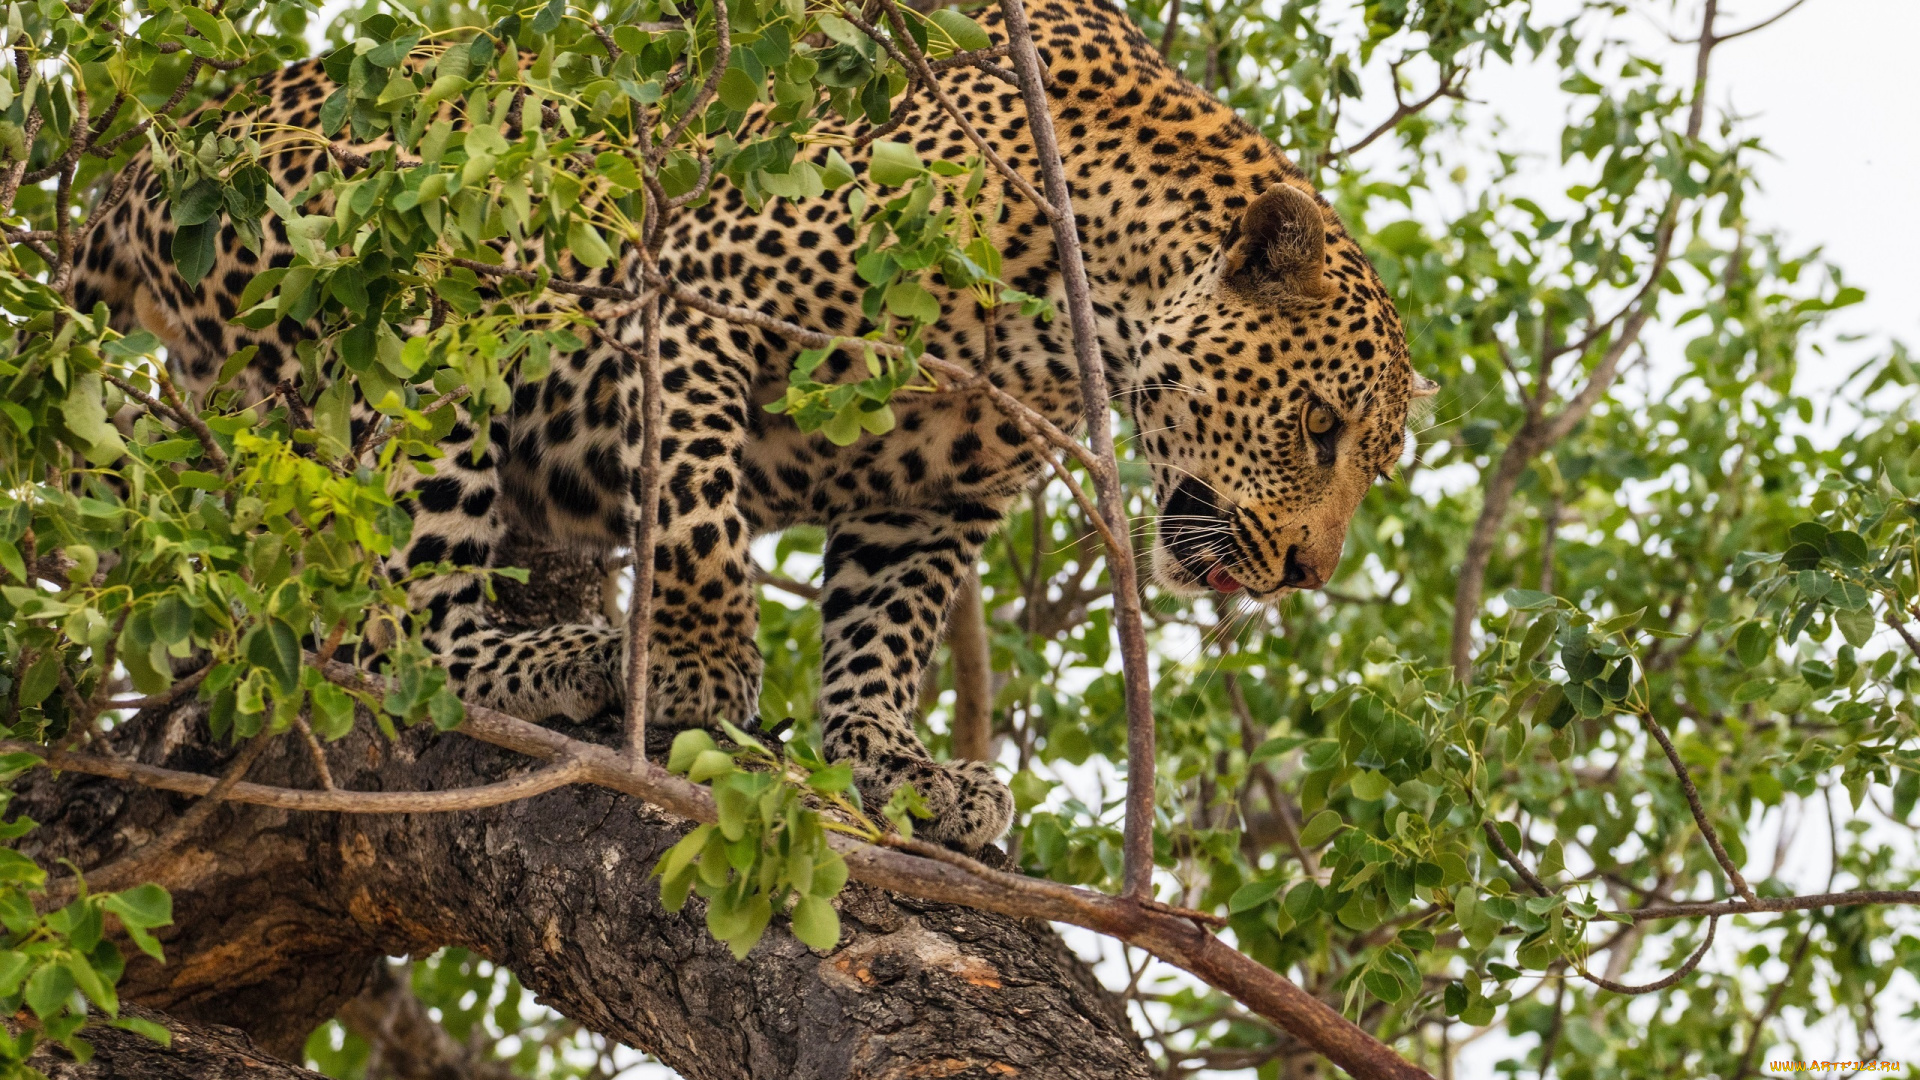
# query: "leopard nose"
x,y
1299,575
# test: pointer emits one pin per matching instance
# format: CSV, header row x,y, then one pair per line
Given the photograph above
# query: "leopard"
x,y
1244,334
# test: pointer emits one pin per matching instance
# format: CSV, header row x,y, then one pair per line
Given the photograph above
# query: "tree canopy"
x,y
1602,663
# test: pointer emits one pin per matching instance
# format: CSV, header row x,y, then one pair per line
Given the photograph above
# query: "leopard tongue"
x,y
1222,581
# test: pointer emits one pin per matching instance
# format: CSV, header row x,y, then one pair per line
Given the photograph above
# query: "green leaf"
x,y
194,250
832,780
687,746
966,34
1303,900
49,990
1752,643
201,202
1321,828
909,300
274,646
737,90
145,906
815,923
838,173
1856,625
85,413
586,246
1384,986
709,764
1273,748
893,163
1528,599
145,1028
1253,894
1369,786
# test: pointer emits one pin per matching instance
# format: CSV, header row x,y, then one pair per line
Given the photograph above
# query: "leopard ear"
x,y
1283,243
1424,387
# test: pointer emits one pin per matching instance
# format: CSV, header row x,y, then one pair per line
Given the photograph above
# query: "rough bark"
x,y
199,1052
281,915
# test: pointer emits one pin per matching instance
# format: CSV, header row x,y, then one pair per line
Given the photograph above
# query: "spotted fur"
x,y
1245,333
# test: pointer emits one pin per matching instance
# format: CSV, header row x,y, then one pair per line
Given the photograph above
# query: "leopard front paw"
x,y
969,806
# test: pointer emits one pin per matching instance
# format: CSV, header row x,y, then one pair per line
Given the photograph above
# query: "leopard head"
x,y
1270,396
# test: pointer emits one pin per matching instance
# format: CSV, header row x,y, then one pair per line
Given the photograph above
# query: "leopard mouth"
x,y
1199,535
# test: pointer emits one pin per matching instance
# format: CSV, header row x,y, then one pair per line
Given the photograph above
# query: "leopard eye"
x,y
1323,429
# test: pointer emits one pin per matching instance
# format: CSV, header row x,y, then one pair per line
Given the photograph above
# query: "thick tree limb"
x,y
280,917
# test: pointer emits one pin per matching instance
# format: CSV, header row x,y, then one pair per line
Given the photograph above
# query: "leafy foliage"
x,y
58,966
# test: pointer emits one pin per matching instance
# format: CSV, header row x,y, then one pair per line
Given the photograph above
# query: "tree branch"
x,y
1097,403
1707,830
972,672
1682,972
1500,848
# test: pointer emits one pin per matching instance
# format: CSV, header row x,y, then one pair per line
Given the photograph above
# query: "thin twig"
x,y
1500,848
559,285
171,694
1404,109
722,45
316,751
902,48
1097,404
1699,812
1747,1057
1682,972
787,585
645,526
190,418
1900,627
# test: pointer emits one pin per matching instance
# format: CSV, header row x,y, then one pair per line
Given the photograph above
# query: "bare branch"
x,y
1761,25
1540,432
1748,1056
785,584
645,526
1097,404
344,802
597,292
722,46
1682,972
1699,812
972,671
955,879
1403,109
1900,627
1500,848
